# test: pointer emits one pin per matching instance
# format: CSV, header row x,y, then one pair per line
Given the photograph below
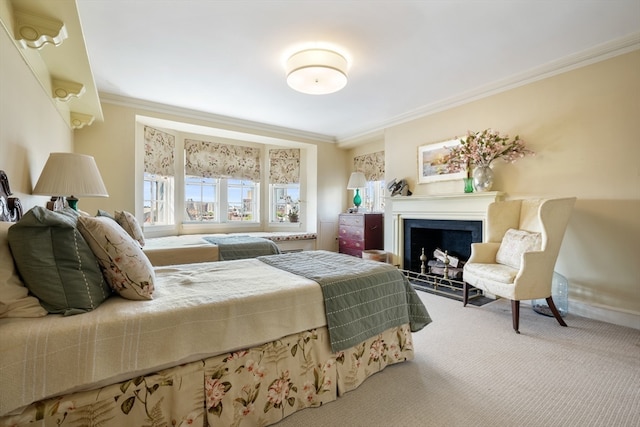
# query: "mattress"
x,y
198,310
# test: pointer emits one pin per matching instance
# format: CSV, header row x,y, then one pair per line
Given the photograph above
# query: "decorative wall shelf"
x,y
35,31
48,35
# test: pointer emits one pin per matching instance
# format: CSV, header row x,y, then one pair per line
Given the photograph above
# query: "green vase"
x,y
468,185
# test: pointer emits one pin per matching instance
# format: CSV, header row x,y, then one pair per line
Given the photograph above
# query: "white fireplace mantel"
x,y
463,207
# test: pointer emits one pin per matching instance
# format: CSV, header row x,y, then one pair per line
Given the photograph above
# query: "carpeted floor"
x,y
472,369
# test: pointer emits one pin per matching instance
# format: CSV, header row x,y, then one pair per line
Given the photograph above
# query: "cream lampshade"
x,y
357,181
70,175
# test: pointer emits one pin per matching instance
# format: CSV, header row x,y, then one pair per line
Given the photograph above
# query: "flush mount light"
x,y
317,71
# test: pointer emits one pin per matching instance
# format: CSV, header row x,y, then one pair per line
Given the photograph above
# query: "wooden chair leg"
x,y
465,293
515,314
555,311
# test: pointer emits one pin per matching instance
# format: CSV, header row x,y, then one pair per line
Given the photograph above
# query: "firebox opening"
x,y
453,236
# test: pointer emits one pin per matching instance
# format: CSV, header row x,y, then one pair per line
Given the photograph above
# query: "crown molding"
x,y
587,57
216,120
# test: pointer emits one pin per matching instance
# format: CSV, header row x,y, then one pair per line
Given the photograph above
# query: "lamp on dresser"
x,y
357,181
70,175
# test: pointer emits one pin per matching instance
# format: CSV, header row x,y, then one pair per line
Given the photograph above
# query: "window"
x,y
201,199
157,191
374,196
285,202
242,203
372,165
194,184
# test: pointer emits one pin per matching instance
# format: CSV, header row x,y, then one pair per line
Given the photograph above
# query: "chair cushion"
x,y
495,272
514,244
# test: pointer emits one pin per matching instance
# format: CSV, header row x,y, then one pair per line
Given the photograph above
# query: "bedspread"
x,y
194,314
362,298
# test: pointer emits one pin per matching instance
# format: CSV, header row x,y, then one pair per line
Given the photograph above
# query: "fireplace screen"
x,y
435,252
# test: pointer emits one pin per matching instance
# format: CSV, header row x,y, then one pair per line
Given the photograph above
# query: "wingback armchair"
x,y
517,259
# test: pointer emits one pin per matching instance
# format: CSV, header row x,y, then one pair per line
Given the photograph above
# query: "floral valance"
x,y
372,165
159,150
214,160
284,166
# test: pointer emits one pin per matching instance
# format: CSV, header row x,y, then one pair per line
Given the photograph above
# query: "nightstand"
x,y
360,231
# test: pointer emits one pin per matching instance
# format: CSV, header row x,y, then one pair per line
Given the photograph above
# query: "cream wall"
x,y
30,125
584,126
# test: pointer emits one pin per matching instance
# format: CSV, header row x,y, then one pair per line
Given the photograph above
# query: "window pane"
x,y
241,200
285,205
201,199
157,190
374,196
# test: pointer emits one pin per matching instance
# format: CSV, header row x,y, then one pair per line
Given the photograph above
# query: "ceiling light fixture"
x,y
317,71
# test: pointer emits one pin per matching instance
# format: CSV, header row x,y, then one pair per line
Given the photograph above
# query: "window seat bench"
x,y
193,248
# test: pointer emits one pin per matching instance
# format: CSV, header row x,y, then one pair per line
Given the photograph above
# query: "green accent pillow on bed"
x,y
56,263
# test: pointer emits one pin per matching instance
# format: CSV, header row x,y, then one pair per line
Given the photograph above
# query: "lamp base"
x,y
72,202
357,200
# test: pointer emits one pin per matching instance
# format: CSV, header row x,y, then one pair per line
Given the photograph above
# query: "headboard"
x,y
10,207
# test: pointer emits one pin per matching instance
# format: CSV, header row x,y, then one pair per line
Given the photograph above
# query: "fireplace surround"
x,y
465,211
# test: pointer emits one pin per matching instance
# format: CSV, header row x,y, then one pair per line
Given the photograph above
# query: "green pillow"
x,y
56,263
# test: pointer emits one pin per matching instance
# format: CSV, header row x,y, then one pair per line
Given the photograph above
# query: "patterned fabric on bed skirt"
x,y
263,385
259,386
170,397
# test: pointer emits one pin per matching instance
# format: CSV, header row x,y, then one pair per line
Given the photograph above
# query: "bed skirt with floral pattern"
x,y
258,386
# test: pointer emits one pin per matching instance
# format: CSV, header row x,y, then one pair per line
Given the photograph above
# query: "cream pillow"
x,y
131,225
126,268
514,244
15,300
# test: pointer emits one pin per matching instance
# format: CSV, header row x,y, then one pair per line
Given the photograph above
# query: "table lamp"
x,y
70,175
357,181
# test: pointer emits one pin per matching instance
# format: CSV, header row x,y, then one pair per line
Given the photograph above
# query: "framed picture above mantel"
x,y
432,163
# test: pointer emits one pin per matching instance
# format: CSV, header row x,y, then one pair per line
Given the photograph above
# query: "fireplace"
x,y
441,210
453,236
449,222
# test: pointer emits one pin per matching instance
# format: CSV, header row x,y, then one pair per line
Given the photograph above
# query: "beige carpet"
x,y
472,369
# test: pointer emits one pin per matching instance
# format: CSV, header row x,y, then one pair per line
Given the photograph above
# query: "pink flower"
x,y
377,347
246,410
482,148
279,389
214,391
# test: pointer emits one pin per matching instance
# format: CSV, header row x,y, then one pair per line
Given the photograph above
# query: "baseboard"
x,y
605,314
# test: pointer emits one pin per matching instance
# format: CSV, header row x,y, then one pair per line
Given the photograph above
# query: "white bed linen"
x,y
198,310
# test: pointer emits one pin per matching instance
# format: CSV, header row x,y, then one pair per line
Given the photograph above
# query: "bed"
x,y
242,342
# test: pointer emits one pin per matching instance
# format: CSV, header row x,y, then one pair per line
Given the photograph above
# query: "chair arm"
x,y
484,252
534,278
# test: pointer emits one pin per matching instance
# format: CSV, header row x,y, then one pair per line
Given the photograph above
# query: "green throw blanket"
x,y
362,298
241,247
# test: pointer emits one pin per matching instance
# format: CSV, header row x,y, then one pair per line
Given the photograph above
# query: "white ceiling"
x,y
408,58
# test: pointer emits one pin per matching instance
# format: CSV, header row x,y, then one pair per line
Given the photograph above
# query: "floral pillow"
x,y
131,225
126,268
514,244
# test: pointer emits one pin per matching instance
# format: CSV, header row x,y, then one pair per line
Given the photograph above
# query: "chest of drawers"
x,y
359,232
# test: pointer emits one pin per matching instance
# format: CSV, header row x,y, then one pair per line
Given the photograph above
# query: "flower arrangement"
x,y
482,148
